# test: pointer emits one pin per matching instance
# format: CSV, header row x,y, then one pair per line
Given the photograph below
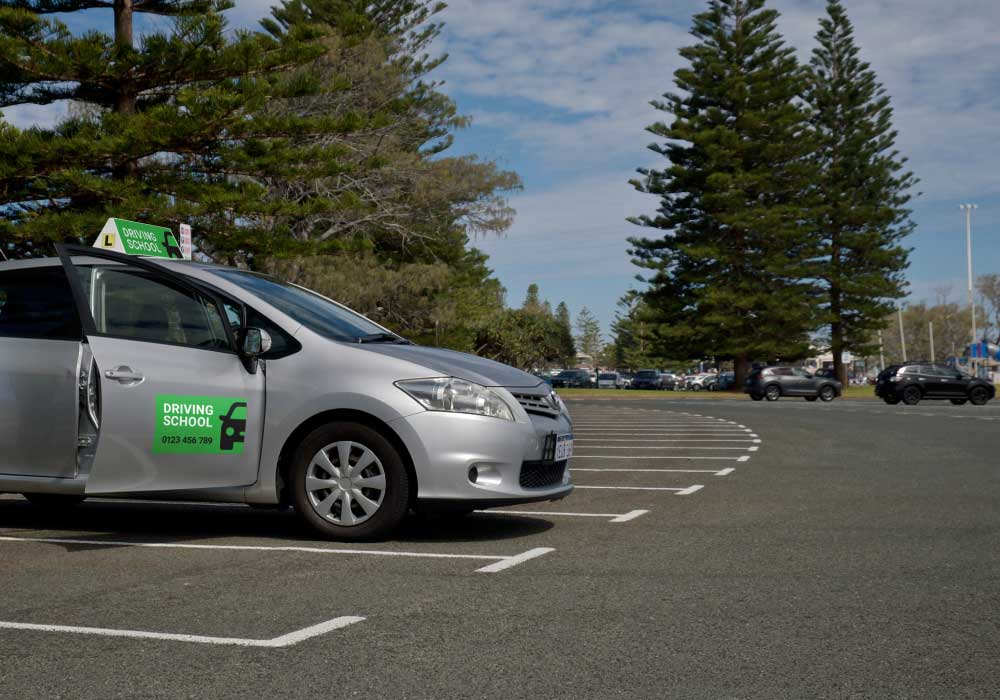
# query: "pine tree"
x,y
589,333
730,276
567,346
169,127
862,215
531,302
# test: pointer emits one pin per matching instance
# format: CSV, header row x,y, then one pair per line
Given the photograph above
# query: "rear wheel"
x,y
348,482
757,397
54,501
978,395
912,395
772,392
959,402
810,398
891,400
827,393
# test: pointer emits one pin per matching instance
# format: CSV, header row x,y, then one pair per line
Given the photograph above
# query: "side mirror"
x,y
256,342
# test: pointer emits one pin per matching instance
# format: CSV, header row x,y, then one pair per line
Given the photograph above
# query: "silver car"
x,y
168,379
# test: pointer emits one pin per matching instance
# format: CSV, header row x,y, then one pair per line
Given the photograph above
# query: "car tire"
x,y
317,490
695,387
827,393
912,395
54,501
772,392
810,398
979,395
891,400
757,397
959,402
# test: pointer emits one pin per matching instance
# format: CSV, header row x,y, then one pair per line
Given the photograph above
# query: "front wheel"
x,y
756,397
348,482
959,402
912,395
772,393
979,396
827,393
891,400
810,398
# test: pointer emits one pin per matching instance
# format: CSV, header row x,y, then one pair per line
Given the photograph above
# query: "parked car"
x,y
911,383
772,383
727,381
572,379
149,378
647,379
670,381
703,382
626,380
825,372
609,380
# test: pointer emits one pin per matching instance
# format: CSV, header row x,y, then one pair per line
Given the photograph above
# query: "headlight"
x,y
556,400
457,396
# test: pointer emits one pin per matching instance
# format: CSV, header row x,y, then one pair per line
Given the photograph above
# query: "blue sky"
x,y
559,91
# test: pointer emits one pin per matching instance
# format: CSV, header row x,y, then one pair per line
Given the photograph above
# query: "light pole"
x,y
902,333
968,208
930,330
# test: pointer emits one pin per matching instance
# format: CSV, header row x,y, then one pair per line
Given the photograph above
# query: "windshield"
x,y
608,375
646,374
318,314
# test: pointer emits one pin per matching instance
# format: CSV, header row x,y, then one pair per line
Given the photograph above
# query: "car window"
x,y
313,311
646,374
782,371
37,302
130,302
801,373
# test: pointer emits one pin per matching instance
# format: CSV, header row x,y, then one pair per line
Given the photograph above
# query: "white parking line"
x,y
615,517
510,561
717,472
285,640
680,492
629,457
633,442
662,447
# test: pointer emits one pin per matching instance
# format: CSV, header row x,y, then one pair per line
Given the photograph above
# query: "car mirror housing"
x,y
256,342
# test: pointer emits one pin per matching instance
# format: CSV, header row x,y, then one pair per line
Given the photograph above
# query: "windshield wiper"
x,y
382,338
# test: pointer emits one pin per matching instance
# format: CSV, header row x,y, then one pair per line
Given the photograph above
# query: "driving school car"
x,y
169,379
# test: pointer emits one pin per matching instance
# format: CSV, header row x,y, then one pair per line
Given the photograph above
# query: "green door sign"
x,y
200,425
135,238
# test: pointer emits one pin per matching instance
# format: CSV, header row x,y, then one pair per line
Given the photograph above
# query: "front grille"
x,y
537,475
534,403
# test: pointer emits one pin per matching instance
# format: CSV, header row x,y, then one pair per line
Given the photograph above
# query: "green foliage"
x,y
861,215
730,275
172,129
588,333
567,345
633,346
521,338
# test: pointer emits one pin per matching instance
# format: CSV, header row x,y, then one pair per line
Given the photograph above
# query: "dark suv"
x,y
572,379
648,379
929,380
772,383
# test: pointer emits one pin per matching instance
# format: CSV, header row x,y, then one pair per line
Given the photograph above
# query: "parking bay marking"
x,y
678,492
718,472
743,458
501,562
615,517
285,640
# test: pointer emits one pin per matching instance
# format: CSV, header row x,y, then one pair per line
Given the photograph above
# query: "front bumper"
x,y
444,448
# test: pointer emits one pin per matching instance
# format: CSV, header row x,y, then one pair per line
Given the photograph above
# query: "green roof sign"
x,y
135,238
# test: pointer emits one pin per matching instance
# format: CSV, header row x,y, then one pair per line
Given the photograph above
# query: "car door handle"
x,y
125,375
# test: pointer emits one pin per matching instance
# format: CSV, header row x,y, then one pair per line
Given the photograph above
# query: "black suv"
x,y
929,380
648,379
772,383
572,379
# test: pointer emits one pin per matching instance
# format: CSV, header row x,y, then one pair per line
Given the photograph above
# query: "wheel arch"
x,y
343,415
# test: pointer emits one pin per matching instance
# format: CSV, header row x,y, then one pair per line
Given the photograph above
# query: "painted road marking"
x,y
285,640
717,472
680,492
508,561
579,440
661,447
615,517
629,457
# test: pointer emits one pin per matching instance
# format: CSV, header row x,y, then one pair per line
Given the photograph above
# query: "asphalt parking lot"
x,y
712,549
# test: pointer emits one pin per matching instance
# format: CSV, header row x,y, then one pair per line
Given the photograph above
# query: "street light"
x,y
968,208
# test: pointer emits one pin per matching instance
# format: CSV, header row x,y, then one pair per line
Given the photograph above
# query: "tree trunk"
x,y
741,366
126,99
836,311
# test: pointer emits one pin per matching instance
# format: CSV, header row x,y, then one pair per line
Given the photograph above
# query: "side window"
x,y
282,344
783,371
36,302
802,373
130,302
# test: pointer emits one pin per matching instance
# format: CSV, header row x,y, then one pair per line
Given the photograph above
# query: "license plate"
x,y
564,446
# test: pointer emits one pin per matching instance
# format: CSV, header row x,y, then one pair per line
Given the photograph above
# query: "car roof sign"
x,y
136,238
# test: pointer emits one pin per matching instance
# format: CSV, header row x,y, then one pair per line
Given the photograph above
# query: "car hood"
x,y
450,363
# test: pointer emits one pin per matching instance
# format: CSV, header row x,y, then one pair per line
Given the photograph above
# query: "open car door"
x,y
179,408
